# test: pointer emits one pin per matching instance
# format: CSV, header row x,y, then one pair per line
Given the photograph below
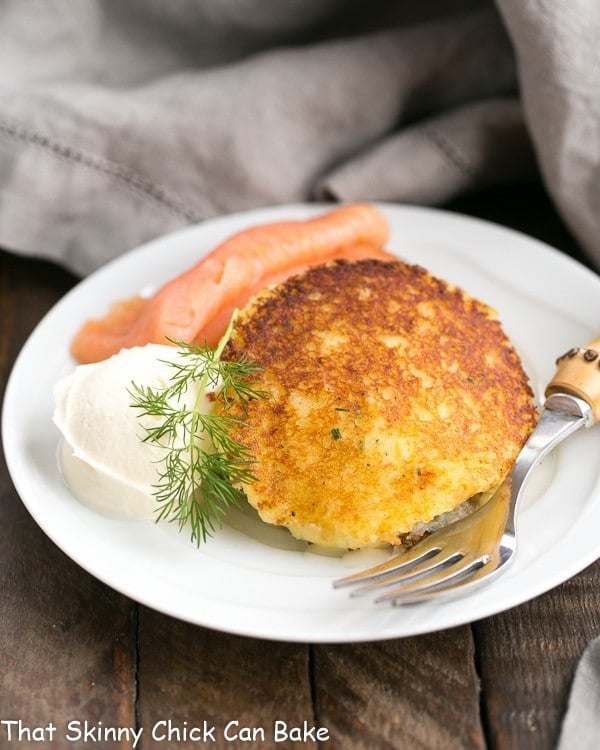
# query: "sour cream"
x,y
103,457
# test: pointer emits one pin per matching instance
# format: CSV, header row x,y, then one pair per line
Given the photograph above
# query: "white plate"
x,y
243,583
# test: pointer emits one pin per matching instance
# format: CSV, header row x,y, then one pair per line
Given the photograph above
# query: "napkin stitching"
x,y
120,172
453,156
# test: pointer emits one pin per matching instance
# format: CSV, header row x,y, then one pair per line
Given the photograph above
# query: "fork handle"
x,y
578,373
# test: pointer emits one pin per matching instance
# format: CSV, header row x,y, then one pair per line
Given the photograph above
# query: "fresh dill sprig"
x,y
205,464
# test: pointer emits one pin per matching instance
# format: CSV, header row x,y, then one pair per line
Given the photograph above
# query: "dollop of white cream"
x,y
103,456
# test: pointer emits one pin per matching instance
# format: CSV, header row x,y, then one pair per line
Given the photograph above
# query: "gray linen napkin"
x,y
581,725
122,120
558,57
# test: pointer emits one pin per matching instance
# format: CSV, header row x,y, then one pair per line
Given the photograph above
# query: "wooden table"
x,y
73,650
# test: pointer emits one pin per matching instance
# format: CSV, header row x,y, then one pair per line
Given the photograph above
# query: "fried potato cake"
x,y
394,397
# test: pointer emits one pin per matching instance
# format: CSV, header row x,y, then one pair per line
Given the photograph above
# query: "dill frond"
x,y
205,464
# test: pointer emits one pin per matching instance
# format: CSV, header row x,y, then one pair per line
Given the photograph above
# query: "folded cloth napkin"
x,y
556,47
121,120
581,725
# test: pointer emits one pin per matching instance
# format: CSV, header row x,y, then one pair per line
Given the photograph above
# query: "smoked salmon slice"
x,y
197,304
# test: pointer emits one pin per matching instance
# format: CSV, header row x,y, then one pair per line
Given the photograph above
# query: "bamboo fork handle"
x,y
578,373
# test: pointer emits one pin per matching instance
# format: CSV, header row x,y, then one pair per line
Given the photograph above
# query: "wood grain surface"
x,y
417,693
73,650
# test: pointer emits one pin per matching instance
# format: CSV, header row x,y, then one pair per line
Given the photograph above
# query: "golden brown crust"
x,y
394,397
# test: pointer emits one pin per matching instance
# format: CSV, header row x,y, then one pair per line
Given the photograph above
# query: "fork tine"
x,y
447,577
422,551
434,564
399,562
482,575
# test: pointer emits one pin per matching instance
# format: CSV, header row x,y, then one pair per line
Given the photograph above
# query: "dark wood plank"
x,y
193,675
66,641
419,693
528,657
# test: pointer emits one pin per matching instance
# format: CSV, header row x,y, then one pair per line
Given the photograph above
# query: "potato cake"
x,y
394,397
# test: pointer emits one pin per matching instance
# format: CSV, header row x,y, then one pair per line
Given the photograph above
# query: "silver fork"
x,y
474,550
